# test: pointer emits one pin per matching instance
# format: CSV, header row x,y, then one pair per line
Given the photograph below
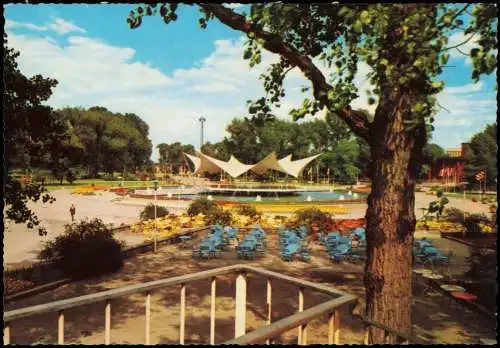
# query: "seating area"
x,y
345,248
253,244
425,253
293,244
216,241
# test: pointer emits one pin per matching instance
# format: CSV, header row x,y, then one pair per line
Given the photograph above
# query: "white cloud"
x,y
91,72
469,88
233,5
470,107
59,25
85,68
62,27
458,38
9,24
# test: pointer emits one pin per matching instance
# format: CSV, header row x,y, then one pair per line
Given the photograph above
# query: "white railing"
x,y
266,333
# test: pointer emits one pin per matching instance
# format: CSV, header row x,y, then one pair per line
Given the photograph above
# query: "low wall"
x,y
452,236
50,278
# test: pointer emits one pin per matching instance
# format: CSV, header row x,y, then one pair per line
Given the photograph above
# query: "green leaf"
x,y
365,17
371,101
474,52
358,26
437,84
444,58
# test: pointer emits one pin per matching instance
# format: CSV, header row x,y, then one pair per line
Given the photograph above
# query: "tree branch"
x,y
356,120
465,54
458,45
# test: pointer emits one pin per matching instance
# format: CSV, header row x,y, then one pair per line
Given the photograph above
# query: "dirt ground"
x,y
436,320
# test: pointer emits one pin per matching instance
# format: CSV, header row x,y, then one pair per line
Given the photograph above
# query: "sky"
x,y
172,75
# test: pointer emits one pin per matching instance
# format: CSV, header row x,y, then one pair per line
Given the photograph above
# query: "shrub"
x,y
214,214
85,249
473,221
219,216
201,206
149,212
454,215
248,210
309,216
13,285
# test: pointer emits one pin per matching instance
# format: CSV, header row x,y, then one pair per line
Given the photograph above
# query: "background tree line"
x,y
346,156
38,138
105,141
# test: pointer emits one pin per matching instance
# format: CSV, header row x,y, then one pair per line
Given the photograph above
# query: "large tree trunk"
x,y
391,216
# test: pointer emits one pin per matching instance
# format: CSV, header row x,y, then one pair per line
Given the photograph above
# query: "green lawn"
x,y
99,182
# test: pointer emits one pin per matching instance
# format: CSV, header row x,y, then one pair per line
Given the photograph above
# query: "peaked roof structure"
x,y
295,168
235,168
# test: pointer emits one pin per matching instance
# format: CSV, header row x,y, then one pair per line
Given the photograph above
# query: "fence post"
x,y
269,305
367,334
6,334
212,313
241,304
336,330
183,313
107,323
60,328
304,335
301,308
148,317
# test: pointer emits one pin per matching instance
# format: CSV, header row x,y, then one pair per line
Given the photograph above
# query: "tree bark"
x,y
391,216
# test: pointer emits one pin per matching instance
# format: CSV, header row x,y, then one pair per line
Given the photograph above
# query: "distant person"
x,y
72,211
355,241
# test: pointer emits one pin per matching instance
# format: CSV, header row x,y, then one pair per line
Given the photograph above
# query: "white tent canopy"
x,y
235,168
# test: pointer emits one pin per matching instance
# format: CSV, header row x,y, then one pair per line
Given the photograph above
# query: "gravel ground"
x,y
435,319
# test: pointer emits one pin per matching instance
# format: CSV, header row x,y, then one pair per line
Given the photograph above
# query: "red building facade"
x,y
449,168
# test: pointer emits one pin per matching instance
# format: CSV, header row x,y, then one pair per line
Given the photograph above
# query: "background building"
x,y
449,168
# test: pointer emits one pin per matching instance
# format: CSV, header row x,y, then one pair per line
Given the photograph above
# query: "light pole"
x,y
202,120
155,183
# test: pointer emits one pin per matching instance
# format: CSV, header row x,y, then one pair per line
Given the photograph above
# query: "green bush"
x,y
149,212
314,215
219,216
201,206
86,249
213,213
472,222
248,210
454,215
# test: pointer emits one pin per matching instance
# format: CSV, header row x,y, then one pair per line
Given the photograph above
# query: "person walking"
x,y
72,211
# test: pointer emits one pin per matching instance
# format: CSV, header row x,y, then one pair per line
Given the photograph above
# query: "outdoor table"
x,y
452,288
430,277
488,342
462,295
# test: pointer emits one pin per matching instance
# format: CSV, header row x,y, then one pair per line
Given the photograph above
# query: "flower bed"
x,y
449,227
443,226
88,190
13,285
